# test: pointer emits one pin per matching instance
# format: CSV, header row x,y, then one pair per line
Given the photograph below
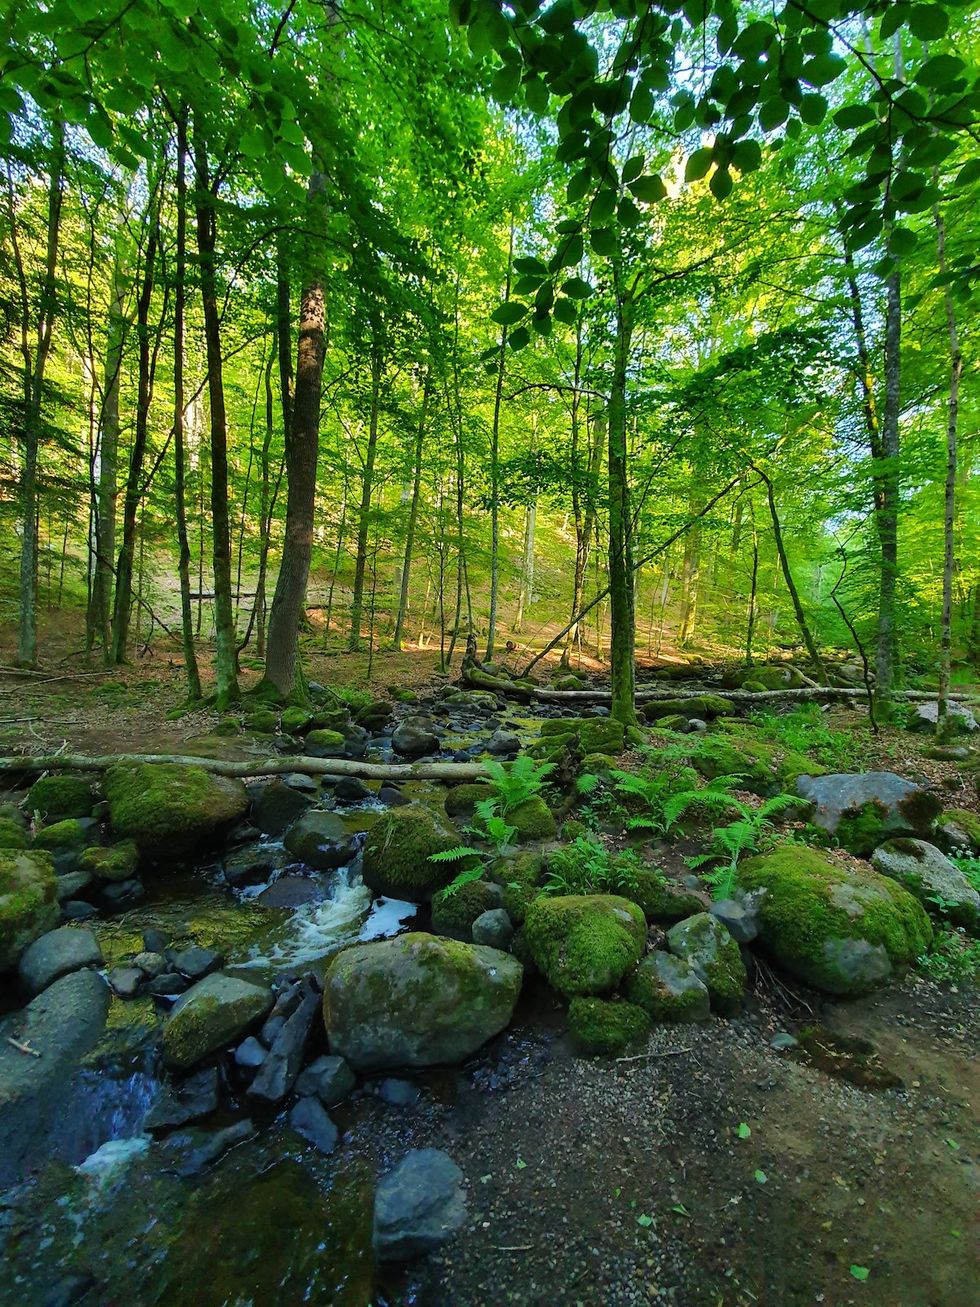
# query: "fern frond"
x,y
456,854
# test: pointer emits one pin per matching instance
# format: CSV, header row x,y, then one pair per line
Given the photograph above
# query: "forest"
x,y
489,651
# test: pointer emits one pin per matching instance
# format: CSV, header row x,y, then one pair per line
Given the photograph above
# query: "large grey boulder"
x,y
70,948
209,1016
960,720
864,808
321,840
937,883
417,1000
28,901
41,1114
414,737
170,809
418,1205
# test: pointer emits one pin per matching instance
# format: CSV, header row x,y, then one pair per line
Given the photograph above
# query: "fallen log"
x,y
370,771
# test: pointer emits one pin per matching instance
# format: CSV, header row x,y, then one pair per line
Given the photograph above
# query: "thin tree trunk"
x,y
621,566
890,493
750,620
495,463
949,506
794,594
226,657
413,517
364,513
123,603
302,445
34,370
265,510
180,490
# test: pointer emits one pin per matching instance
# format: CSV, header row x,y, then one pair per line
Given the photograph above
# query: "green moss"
x,y
585,944
761,763
598,764
660,899
12,835
28,902
702,705
667,989
520,877
117,862
573,829
569,682
813,902
62,836
397,851
404,696
461,800
862,830
533,820
327,742
966,822
295,721
167,808
453,913
606,1027
705,943
227,726
262,722
594,734
58,797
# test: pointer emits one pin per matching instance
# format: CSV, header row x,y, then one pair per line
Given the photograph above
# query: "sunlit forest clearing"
x,y
489,653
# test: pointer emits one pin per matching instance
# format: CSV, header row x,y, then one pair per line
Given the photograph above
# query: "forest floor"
x,y
609,1184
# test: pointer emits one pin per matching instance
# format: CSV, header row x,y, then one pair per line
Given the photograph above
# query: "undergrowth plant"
x,y
666,804
745,834
513,783
952,958
970,867
805,730
587,867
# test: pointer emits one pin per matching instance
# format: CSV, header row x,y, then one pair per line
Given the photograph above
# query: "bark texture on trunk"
x,y
621,566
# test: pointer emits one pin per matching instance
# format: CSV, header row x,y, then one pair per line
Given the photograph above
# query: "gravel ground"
x,y
610,1184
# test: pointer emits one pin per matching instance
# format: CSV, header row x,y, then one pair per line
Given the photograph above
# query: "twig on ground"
x,y
640,1057
22,1048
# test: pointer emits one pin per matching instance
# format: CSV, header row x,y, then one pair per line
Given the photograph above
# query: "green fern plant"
x,y
515,782
744,835
587,867
666,804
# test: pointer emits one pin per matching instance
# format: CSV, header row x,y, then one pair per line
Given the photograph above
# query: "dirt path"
x,y
600,1184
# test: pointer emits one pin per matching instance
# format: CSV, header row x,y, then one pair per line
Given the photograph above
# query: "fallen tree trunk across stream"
x,y
368,771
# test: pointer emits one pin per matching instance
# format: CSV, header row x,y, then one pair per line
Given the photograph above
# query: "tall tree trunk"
x,y
364,513
100,606
123,603
526,595
949,505
265,510
623,634
751,615
413,516
794,594
690,577
495,463
582,497
34,369
226,656
191,672
302,445
890,482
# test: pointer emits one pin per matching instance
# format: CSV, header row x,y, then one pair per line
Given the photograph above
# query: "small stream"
x,y
273,1221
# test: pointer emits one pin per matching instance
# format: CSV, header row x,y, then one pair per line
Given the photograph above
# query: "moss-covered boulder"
x,y
28,902
417,1000
959,828
520,878
212,1014
705,944
606,1027
115,862
569,681
454,911
593,734
262,722
937,883
323,743
398,849
169,809
12,834
295,721
737,752
533,820
663,900
585,943
833,923
68,836
863,809
461,800
668,989
705,706
58,797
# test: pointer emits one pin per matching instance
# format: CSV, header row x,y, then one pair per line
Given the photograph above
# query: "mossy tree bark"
x,y
367,488
413,515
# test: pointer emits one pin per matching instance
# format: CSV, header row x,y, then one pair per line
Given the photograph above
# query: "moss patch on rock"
x,y
169,809
63,836
461,800
12,834
668,989
520,877
533,820
606,1027
453,912
840,927
28,902
593,734
705,944
663,900
59,797
117,862
706,706
585,943
397,852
